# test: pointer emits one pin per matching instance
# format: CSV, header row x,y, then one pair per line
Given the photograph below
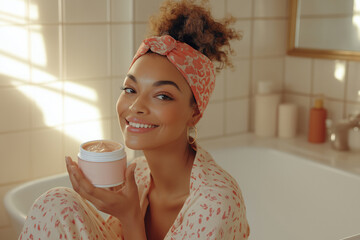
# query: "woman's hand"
x,y
123,203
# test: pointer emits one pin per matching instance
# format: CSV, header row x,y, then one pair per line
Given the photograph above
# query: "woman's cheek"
x,y
172,114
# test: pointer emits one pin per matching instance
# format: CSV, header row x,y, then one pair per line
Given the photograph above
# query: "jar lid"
x,y
104,156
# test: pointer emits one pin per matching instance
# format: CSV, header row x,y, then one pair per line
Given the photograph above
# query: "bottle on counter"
x,y
288,120
267,100
317,122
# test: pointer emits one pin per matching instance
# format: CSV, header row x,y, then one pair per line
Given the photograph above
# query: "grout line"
x,y
346,89
251,66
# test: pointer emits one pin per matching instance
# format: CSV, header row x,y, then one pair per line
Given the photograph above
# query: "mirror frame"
x,y
309,52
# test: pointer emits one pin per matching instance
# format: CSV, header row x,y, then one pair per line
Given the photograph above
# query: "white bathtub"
x,y
290,198
287,196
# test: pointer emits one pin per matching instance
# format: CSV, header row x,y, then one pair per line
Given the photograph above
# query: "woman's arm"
x,y
123,204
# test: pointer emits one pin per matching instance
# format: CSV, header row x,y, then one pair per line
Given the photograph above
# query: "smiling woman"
x,y
176,190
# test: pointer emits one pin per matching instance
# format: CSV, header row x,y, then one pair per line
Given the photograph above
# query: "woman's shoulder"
x,y
211,181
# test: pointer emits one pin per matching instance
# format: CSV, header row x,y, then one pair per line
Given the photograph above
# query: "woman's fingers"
x,y
111,202
69,164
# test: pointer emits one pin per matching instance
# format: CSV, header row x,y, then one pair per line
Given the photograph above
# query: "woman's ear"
x,y
195,117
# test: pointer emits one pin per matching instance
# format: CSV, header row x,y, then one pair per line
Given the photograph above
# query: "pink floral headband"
x,y
195,67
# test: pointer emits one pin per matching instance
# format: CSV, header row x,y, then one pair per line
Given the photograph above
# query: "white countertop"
x,y
348,161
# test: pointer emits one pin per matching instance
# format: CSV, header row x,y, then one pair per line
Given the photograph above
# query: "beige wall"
x,y
62,63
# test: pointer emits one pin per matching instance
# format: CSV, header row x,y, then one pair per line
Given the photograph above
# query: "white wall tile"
x,y
237,115
240,8
145,8
217,9
14,48
75,134
218,93
242,47
15,152
329,78
46,152
87,100
267,69
116,130
44,11
15,12
335,109
46,104
141,31
122,49
269,37
14,108
303,104
116,85
86,10
298,75
45,53
87,51
238,80
122,10
212,123
271,8
353,86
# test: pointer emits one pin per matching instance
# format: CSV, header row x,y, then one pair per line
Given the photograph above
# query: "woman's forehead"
x,y
155,67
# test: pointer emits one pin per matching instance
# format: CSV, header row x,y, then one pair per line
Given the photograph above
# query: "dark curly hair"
x,y
193,24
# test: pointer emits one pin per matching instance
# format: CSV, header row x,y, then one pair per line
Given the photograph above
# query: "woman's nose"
x,y
139,106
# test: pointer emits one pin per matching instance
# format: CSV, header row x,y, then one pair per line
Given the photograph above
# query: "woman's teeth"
x,y
141,125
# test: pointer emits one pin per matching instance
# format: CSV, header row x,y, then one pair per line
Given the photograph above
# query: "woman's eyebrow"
x,y
132,77
166,82
157,83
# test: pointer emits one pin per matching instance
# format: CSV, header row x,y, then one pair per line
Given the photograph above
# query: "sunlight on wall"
x,y
356,16
13,12
340,71
33,12
78,102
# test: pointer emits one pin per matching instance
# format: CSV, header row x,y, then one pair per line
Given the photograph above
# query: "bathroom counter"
x,y
348,161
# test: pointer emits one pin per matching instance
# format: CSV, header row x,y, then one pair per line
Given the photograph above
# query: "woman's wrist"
x,y
133,228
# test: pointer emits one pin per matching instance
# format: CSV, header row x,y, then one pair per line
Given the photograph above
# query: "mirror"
x,y
325,29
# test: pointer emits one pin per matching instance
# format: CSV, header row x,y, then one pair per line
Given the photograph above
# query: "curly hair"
x,y
193,24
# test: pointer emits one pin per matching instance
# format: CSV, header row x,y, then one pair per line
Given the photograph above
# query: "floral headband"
x,y
195,67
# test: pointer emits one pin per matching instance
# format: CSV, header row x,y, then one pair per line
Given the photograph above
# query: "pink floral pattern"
x,y
195,67
214,209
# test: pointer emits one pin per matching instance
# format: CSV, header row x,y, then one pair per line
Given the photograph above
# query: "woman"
x,y
176,191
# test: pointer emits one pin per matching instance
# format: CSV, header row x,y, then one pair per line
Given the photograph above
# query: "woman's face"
x,y
154,107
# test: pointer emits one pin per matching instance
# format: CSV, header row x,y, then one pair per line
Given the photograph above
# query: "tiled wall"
x,y
62,62
61,67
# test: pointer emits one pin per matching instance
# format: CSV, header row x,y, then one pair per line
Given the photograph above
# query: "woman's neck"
x,y
170,168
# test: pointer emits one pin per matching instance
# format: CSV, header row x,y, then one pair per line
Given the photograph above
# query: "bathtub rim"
x,y
15,214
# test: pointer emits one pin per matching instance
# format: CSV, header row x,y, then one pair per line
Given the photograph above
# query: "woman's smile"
x,y
136,125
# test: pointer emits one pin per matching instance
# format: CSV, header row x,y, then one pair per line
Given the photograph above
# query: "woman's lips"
x,y
139,127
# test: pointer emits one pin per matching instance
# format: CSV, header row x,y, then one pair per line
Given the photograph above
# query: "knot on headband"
x,y
163,47
195,67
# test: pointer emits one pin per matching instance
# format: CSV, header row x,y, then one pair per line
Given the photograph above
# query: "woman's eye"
x,y
164,97
128,90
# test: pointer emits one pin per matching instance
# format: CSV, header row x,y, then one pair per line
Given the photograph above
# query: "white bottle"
x,y
267,101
